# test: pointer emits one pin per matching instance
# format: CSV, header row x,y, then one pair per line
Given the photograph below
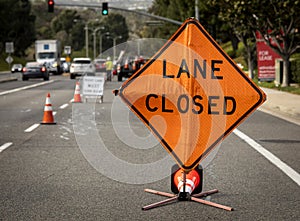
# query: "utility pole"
x,y
94,38
196,10
114,43
100,37
86,40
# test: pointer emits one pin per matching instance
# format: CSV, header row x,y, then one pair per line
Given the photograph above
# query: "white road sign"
x,y
93,86
9,47
9,59
67,50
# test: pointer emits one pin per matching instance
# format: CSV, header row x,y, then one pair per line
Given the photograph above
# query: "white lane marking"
x,y
26,87
4,146
65,138
63,106
71,101
25,111
271,157
31,128
54,113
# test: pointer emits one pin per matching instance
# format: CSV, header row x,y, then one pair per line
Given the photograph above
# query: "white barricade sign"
x,y
93,86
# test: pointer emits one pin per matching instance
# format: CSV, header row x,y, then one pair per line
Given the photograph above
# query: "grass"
x,y
4,65
291,89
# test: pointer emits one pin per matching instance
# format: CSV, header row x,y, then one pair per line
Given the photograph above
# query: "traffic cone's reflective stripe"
x,y
187,182
188,189
48,105
48,108
189,186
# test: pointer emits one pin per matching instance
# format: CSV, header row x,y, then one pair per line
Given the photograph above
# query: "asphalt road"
x,y
56,172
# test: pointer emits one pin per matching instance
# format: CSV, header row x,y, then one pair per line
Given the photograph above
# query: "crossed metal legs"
x,y
182,196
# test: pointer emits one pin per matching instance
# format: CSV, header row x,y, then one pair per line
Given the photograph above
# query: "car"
x,y
128,66
35,70
16,68
81,66
124,68
100,64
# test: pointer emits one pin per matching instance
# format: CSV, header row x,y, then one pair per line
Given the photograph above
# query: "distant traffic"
x,y
48,61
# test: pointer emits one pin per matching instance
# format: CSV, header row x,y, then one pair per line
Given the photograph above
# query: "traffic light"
x,y
104,8
50,5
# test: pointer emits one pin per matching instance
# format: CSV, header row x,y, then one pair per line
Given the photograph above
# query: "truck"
x,y
48,52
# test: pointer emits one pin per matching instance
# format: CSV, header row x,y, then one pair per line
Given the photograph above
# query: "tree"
x,y
43,19
174,9
64,22
77,39
17,25
278,24
236,14
116,25
180,10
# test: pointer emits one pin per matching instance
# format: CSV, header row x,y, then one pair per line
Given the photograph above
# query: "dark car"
x,y
16,68
35,70
127,67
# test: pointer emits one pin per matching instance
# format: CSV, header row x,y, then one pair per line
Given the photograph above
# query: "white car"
x,y
16,68
81,66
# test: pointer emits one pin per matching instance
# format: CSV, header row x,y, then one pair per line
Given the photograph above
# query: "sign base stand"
x,y
96,98
184,196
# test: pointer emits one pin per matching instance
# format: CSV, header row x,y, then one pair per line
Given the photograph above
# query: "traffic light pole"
x,y
149,15
91,5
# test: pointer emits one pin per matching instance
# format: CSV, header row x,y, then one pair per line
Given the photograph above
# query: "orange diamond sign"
x,y
191,95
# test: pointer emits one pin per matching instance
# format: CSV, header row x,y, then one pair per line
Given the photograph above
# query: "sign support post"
x,y
9,48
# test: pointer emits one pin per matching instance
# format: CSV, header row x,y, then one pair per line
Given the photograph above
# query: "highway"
x,y
91,165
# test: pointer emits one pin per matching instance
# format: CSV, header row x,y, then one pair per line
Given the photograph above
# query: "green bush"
x,y
231,53
295,70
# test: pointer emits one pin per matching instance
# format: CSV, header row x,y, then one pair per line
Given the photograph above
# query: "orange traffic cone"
x,y
77,97
48,114
193,181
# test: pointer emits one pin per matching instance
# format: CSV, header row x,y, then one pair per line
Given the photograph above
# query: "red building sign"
x,y
265,60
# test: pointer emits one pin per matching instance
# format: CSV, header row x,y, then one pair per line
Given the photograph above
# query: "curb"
x,y
280,114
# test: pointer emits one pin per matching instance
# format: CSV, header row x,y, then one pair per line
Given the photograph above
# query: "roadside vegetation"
x,y
239,59
295,89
